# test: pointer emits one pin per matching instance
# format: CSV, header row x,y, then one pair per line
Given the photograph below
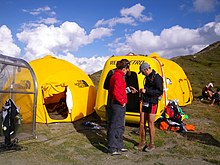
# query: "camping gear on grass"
x,y
172,118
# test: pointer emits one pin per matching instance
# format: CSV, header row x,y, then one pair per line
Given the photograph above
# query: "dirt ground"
x,y
76,143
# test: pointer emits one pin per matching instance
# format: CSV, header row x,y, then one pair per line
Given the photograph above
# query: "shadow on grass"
x,y
97,137
204,138
202,100
134,131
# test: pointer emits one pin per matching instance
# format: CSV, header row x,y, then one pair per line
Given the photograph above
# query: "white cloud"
x,y
171,42
210,32
114,21
89,65
177,36
45,16
48,21
136,12
41,10
184,50
99,33
204,5
50,39
43,40
37,23
128,16
7,46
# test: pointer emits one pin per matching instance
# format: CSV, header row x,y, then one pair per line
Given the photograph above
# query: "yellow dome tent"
x,y
65,92
175,82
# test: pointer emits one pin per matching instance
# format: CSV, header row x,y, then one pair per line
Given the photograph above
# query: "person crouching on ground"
x,y
117,92
207,92
152,91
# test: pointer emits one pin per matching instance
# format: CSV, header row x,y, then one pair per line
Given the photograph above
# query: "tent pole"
x,y
164,81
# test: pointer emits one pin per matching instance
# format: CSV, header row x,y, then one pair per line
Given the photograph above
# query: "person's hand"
x,y
142,90
133,90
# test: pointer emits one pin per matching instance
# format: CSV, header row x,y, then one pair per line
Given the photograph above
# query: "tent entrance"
x,y
133,104
57,110
55,100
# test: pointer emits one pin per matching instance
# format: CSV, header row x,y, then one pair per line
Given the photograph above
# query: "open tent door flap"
x,y
57,97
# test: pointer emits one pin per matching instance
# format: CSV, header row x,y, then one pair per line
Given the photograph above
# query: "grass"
x,y
73,143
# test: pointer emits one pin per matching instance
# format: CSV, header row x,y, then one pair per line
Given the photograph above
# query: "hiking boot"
x,y
124,150
115,153
149,148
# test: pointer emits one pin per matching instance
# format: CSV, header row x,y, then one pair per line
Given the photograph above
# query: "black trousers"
x,y
116,127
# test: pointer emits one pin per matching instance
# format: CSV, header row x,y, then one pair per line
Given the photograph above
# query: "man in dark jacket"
x,y
152,91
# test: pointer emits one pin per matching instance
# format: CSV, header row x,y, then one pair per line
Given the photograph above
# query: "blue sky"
x,y
88,32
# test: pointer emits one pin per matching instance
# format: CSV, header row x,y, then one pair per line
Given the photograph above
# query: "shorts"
x,y
152,109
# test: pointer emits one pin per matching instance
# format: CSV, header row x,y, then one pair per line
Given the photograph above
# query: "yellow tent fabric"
x,y
54,77
166,68
49,89
178,85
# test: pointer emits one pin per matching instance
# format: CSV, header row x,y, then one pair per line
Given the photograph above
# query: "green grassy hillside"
x,y
201,68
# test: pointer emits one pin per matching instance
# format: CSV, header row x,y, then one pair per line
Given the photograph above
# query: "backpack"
x,y
172,112
172,118
107,79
